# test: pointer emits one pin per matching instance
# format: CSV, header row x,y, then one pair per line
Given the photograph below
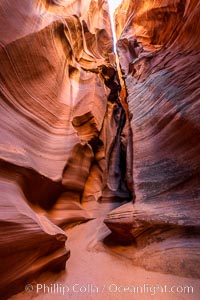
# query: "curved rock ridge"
x,y
61,128
30,243
165,242
159,53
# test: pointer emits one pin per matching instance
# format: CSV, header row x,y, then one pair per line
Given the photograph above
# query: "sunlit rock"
x,y
61,122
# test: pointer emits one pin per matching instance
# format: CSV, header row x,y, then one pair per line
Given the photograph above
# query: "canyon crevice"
x,y
88,136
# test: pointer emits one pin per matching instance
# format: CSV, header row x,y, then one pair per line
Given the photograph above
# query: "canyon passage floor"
x,y
98,264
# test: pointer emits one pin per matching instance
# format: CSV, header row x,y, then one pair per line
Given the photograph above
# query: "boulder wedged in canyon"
x,y
159,54
61,125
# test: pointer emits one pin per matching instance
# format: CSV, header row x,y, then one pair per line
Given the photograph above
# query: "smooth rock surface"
x,y
165,242
159,54
29,242
60,122
70,144
101,264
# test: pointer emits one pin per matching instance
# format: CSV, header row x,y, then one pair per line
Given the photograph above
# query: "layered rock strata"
x,y
30,243
61,126
159,54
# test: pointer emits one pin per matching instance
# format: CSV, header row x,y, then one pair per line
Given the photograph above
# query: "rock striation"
x,y
76,132
61,126
30,243
159,53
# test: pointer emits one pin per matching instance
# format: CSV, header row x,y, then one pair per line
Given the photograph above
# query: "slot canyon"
x,y
100,150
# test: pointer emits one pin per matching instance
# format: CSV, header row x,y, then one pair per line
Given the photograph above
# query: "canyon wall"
x,y
69,142
61,126
159,53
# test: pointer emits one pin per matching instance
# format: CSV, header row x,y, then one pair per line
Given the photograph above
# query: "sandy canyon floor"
x,y
97,270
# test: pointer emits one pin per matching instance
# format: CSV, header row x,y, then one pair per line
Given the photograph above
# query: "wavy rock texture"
x,y
61,126
30,243
159,53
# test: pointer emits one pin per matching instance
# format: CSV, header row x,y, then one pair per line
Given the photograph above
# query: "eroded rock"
x,y
158,47
61,122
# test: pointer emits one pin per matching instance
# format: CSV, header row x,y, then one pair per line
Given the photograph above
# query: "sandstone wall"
x,y
61,123
159,54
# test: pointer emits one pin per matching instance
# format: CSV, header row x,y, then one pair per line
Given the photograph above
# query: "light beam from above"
x,y
113,4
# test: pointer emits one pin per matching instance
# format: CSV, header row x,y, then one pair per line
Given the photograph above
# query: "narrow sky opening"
x,y
112,6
